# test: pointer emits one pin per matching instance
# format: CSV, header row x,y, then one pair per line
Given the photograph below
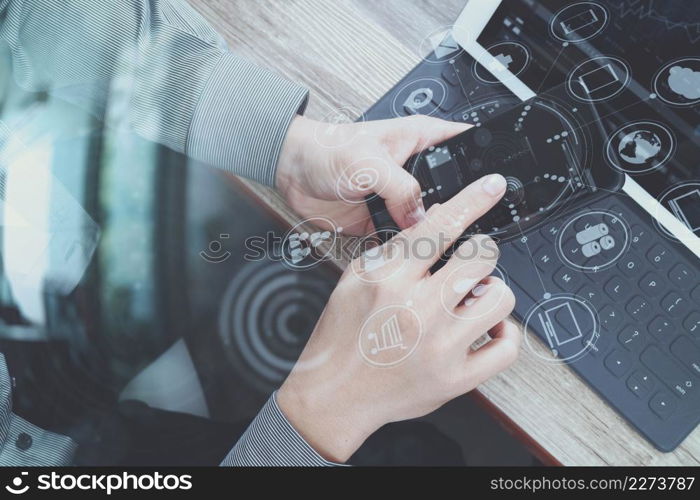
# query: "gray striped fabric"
x,y
186,91
47,448
272,441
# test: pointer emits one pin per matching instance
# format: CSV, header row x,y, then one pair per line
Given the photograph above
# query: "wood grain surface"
x,y
349,53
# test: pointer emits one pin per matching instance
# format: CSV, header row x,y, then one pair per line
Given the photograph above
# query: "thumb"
x,y
430,131
402,196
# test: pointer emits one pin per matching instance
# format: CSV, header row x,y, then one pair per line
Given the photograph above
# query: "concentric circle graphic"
x,y
568,325
640,147
267,314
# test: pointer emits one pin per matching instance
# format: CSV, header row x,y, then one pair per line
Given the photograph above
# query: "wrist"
x,y
294,148
334,431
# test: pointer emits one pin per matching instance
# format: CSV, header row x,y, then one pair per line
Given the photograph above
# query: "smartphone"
x,y
544,148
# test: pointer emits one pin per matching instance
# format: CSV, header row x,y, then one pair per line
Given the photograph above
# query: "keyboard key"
x,y
632,338
451,76
630,265
610,317
550,232
651,284
618,362
639,308
682,276
662,404
525,245
692,324
617,289
660,256
695,294
592,295
678,380
662,328
546,258
566,279
640,383
598,345
639,238
675,305
688,353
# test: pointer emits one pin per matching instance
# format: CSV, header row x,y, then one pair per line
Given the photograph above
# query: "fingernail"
x,y
417,215
479,290
463,286
469,301
494,184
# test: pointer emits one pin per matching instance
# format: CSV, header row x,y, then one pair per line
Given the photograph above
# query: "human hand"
x,y
330,169
350,381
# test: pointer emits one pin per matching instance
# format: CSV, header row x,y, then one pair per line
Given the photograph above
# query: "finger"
x,y
431,130
444,224
489,303
473,261
402,197
495,356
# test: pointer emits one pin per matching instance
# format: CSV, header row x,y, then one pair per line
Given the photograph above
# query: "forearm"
x,y
273,442
165,68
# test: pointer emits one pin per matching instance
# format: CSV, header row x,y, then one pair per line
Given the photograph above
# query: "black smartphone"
x,y
546,148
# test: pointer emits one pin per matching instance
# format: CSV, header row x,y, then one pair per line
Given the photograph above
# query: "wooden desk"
x,y
351,52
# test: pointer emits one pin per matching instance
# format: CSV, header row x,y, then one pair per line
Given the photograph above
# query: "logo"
x,y
215,247
16,487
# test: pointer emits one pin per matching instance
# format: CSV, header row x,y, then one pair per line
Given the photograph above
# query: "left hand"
x,y
327,169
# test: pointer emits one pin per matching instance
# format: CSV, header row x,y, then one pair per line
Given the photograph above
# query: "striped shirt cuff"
x,y
271,441
242,119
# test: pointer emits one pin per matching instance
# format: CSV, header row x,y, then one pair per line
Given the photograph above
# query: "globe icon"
x,y
639,147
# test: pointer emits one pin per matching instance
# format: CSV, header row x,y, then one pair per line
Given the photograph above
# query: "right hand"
x,y
340,392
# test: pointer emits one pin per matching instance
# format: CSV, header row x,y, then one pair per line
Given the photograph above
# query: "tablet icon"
x,y
568,325
686,207
16,487
551,320
598,79
578,22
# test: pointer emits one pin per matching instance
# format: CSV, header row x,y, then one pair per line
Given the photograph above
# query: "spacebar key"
x,y
668,370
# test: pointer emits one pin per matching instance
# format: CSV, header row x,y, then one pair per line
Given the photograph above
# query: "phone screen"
x,y
539,147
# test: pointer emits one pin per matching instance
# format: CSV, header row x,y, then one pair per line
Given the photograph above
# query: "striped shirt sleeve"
x,y
164,68
271,441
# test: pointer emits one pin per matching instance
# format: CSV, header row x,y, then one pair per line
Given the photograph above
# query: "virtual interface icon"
x,y
560,325
389,337
595,239
686,207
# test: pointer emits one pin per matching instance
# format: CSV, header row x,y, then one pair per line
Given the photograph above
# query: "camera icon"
x,y
16,487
